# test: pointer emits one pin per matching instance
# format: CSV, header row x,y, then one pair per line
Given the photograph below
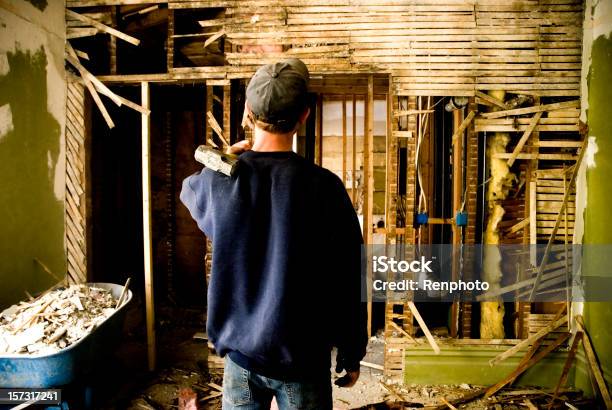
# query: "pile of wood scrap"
x,y
55,320
540,347
518,398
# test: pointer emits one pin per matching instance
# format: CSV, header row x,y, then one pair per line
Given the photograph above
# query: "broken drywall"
x,y
6,120
32,157
594,182
25,27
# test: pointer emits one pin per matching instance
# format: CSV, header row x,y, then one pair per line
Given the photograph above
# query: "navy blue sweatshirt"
x,y
285,284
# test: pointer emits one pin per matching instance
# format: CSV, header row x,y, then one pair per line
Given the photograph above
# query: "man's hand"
x,y
348,380
239,147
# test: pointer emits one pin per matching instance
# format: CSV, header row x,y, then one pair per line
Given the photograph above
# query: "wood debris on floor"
x,y
463,396
178,387
57,319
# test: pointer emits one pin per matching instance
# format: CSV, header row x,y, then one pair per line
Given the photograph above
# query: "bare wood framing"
x,y
227,106
147,228
593,364
368,187
491,100
170,42
530,110
103,27
524,366
558,220
526,342
457,158
94,94
462,127
571,355
424,328
77,229
319,131
344,139
354,150
92,3
214,38
103,89
524,138
212,121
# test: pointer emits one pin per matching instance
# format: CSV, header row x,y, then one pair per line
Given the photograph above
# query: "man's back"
x,y
285,283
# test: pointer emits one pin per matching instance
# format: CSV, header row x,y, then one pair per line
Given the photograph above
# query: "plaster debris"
x,y
6,120
55,320
4,65
591,150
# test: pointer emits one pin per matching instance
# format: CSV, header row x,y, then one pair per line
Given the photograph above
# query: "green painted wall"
x,y
598,315
470,364
32,217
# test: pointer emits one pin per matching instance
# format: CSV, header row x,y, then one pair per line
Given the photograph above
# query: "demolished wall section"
x,y
32,152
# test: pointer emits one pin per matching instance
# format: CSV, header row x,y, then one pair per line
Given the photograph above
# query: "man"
x,y
285,284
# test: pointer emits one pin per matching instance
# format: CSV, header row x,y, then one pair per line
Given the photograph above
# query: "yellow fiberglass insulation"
x,y
501,179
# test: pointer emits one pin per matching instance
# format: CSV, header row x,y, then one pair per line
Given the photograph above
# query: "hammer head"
x,y
216,160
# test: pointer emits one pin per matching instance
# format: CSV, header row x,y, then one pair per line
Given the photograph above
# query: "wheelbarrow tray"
x,y
65,366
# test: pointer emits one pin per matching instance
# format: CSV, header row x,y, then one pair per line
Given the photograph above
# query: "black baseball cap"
x,y
277,92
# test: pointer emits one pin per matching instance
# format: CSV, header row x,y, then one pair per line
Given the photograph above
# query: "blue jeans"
x,y
245,390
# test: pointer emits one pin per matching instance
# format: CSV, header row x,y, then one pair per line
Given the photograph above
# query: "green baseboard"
x,y
470,364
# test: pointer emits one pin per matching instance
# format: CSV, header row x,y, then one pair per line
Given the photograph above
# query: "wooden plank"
x,y
402,113
103,27
354,150
524,138
103,89
457,142
372,365
517,226
72,33
524,122
112,49
95,3
227,109
473,395
214,37
593,363
402,134
526,342
464,124
571,355
368,187
557,144
524,366
186,4
402,331
528,356
530,110
212,121
558,220
94,96
344,140
424,328
147,228
170,41
536,155
319,131
491,100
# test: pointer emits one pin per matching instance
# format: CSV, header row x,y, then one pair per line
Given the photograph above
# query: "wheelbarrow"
x,y
73,363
